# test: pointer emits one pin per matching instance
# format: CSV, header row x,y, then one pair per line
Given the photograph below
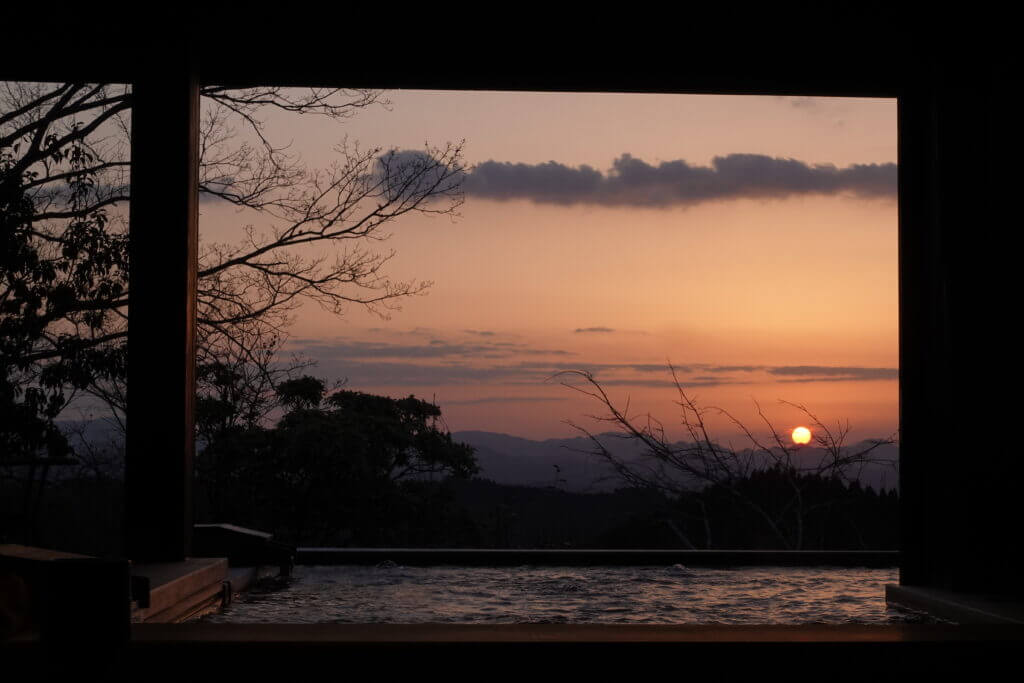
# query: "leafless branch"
x,y
686,467
69,145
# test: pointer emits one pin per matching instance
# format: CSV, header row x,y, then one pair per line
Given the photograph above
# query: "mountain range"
x,y
566,463
569,463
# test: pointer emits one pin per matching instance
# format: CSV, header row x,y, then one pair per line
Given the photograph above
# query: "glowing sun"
x,y
801,436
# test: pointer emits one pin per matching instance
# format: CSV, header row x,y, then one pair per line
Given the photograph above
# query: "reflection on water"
x,y
643,595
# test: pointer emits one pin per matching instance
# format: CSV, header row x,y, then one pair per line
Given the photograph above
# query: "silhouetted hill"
x,y
513,460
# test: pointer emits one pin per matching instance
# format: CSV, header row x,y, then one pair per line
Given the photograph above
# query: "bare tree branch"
x,y
68,148
685,468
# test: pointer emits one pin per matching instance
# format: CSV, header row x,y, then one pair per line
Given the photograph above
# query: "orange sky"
x,y
755,299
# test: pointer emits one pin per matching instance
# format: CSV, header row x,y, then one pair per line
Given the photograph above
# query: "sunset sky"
x,y
763,268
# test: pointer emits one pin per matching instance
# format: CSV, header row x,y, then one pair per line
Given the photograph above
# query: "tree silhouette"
x,y
64,287
302,393
347,461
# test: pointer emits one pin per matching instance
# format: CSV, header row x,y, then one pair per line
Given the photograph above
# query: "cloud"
x,y
55,193
433,361
409,174
802,102
729,368
434,348
417,371
593,329
212,190
666,383
594,368
504,399
362,374
825,373
633,182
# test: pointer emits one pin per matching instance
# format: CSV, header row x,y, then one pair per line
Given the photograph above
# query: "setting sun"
x,y
801,436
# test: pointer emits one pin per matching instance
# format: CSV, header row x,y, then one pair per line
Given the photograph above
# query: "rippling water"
x,y
578,595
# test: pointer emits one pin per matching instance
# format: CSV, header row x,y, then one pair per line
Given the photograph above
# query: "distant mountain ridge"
x,y
508,459
515,460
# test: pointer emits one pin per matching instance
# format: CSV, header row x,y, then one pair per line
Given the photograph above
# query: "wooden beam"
x,y
922,301
161,341
960,512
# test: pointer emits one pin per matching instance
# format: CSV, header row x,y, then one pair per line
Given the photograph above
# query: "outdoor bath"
x,y
673,594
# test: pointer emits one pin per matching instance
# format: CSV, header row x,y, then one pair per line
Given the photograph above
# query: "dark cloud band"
x,y
633,182
438,361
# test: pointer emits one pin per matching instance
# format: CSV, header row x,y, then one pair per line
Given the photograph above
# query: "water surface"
x,y
579,595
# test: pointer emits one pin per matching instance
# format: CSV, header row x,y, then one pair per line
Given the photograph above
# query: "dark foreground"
x,y
197,651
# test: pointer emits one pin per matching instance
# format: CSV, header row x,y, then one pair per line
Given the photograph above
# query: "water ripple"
x,y
389,593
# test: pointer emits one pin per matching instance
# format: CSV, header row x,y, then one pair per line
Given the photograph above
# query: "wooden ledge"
x,y
180,589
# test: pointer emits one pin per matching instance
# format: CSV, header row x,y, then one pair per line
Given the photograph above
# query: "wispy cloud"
x,y
826,373
802,102
593,329
434,348
505,399
366,373
667,383
436,361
